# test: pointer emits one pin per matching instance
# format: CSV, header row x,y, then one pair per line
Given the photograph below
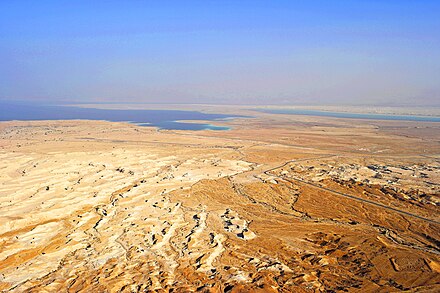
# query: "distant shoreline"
x,y
351,115
389,110
375,110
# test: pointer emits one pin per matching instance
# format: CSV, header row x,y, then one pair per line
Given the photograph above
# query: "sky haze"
x,y
221,52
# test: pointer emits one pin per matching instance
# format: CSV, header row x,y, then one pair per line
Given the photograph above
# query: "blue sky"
x,y
246,52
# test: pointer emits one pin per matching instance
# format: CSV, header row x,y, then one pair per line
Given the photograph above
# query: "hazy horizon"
x,y
221,52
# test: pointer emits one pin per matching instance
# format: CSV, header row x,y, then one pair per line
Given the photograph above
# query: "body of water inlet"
x,y
163,119
351,115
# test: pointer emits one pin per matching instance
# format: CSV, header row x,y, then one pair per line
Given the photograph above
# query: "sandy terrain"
x,y
277,204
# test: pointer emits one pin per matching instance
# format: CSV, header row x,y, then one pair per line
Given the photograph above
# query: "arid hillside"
x,y
278,203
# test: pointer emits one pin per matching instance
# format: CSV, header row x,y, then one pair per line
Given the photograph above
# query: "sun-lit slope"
x,y
115,207
55,204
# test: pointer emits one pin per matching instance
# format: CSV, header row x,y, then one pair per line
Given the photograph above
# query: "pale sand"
x,y
106,207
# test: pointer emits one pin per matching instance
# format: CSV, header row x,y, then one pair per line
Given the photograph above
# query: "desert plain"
x,y
278,203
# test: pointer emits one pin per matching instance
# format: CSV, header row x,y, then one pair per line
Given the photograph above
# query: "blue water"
x,y
163,119
351,115
177,125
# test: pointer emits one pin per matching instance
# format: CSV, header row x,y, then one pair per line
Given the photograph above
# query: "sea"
x,y
162,119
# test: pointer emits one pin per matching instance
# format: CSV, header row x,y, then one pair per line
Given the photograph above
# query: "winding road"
x,y
353,197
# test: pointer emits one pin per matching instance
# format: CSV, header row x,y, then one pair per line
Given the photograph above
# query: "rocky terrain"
x,y
277,204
